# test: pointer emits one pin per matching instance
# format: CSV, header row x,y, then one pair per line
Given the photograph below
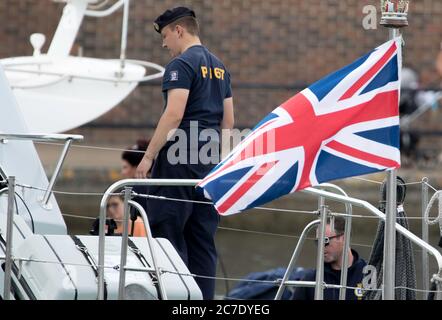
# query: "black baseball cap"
x,y
170,16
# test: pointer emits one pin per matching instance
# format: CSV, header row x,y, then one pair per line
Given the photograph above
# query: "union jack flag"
x,y
346,124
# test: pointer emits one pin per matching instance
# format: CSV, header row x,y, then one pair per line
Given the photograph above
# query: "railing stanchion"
x,y
9,238
425,271
124,242
319,288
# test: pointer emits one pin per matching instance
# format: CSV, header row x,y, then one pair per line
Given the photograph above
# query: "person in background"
x,y
115,211
333,252
130,159
114,219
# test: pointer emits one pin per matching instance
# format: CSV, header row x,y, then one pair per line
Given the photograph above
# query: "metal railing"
x,y
9,229
192,182
347,235
68,138
124,242
408,234
425,271
102,223
71,76
316,192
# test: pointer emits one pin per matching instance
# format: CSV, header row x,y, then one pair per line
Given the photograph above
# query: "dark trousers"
x,y
190,227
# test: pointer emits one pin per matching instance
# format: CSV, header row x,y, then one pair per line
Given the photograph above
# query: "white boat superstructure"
x,y
42,261
74,89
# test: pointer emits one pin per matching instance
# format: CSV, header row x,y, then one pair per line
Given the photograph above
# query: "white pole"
x,y
390,238
124,242
425,270
319,288
9,229
394,16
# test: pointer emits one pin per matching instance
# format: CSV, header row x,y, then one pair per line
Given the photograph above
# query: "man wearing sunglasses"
x,y
333,252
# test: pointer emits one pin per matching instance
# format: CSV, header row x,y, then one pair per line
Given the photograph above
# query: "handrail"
x,y
9,238
39,137
148,64
347,234
98,5
102,219
295,256
68,138
107,12
425,230
145,64
100,13
41,85
372,209
192,182
42,59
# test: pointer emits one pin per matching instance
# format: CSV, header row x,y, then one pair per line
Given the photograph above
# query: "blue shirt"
x,y
208,82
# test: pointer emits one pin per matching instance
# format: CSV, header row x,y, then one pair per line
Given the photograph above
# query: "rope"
x,y
209,203
405,274
367,180
148,196
278,282
163,271
404,259
371,217
412,183
262,233
67,192
57,262
281,235
91,147
438,196
77,216
234,230
140,151
380,182
429,185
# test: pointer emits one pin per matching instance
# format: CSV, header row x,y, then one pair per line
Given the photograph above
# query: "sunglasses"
x,y
327,239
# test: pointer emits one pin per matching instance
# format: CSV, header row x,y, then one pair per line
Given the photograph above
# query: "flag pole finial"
x,y
394,13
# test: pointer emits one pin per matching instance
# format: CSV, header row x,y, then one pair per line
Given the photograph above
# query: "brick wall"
x,y
271,47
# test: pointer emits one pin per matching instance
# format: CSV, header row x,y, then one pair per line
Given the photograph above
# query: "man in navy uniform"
x,y
333,252
197,91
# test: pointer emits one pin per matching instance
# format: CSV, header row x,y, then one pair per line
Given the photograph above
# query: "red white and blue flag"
x,y
346,124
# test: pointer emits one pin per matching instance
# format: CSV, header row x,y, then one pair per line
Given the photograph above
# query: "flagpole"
x,y
394,17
